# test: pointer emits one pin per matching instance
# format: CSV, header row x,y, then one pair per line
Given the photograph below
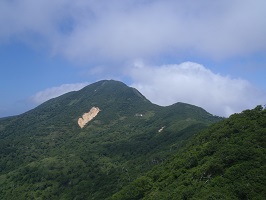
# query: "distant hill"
x,y
44,154
225,161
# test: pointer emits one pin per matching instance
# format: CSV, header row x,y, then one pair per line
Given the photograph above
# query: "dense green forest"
x,y
46,155
224,161
121,154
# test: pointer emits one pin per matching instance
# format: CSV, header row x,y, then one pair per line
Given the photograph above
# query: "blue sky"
x,y
208,53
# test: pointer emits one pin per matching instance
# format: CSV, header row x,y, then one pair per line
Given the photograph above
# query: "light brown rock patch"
x,y
86,117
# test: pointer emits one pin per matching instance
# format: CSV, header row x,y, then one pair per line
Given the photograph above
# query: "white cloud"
x,y
53,92
128,29
193,83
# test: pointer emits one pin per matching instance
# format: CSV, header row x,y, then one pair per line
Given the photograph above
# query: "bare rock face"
x,y
86,117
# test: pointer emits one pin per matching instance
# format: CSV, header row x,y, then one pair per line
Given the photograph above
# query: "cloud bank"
x,y
103,31
193,83
53,92
128,29
187,82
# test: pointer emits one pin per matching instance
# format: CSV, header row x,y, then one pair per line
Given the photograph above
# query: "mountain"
x,y
45,154
225,161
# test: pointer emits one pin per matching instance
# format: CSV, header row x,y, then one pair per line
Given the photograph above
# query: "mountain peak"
x,y
107,83
113,91
85,139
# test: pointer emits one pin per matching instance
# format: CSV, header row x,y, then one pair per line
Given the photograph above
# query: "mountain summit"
x,y
45,154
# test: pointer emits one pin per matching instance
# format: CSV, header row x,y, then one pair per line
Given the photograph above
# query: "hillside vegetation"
x,y
224,161
44,154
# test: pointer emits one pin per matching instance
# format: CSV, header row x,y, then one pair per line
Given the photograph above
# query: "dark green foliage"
x,y
45,155
225,161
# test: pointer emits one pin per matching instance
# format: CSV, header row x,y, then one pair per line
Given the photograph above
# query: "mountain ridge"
x,y
224,161
45,149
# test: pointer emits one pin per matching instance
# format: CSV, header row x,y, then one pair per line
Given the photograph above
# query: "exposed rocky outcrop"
x,y
86,117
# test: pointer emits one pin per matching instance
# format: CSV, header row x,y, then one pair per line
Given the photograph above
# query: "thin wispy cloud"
x,y
193,83
53,92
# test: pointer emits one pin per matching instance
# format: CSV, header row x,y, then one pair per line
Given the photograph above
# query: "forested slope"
x,y
225,161
44,154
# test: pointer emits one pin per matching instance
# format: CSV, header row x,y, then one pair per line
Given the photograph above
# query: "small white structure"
x,y
161,129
